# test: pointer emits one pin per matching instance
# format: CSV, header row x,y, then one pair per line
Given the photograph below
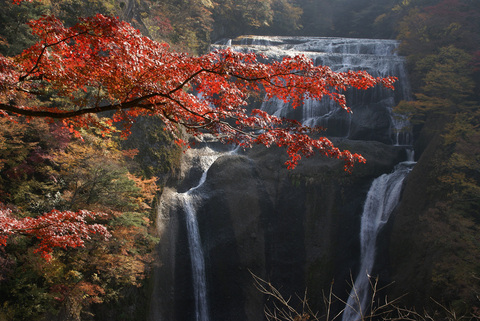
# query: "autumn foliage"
x,y
98,240
103,64
54,229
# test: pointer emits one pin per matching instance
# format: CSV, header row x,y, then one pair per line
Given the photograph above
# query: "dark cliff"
x,y
297,229
434,249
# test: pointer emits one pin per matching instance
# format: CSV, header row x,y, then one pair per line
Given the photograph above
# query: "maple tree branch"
x,y
252,79
187,80
268,77
22,78
209,123
136,103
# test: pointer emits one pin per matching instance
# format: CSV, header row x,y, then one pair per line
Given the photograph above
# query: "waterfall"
x,y
381,200
402,130
372,109
196,257
372,121
196,252
188,201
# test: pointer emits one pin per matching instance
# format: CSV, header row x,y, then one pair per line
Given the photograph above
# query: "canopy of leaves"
x,y
235,18
15,35
91,256
102,64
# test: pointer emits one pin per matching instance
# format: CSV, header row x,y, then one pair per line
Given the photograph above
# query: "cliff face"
x,y
297,229
411,261
434,249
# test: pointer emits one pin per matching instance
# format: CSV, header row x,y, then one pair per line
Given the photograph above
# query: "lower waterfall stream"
x,y
188,201
195,244
196,256
382,198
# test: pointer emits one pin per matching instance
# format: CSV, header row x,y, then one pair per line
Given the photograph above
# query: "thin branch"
x,y
136,103
22,78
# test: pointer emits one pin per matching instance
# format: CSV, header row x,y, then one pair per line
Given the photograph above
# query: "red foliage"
x,y
103,64
53,229
451,8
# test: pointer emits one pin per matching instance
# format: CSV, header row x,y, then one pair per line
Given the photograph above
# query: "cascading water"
x,y
197,258
195,247
188,202
372,116
382,198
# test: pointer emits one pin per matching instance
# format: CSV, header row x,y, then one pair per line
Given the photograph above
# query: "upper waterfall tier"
x,y
372,117
327,45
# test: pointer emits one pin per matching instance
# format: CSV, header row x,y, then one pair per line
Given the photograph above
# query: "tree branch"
x,y
136,103
22,78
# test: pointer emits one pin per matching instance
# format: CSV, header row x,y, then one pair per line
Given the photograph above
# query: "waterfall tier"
x,y
372,117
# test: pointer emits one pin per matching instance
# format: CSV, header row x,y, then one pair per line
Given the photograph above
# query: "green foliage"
x,y
451,217
70,10
157,155
445,85
425,26
24,294
242,17
186,25
233,18
286,18
14,33
448,75
25,174
461,172
440,38
93,178
347,18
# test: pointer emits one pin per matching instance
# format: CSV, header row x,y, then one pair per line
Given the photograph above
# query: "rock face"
x,y
297,229
412,256
434,247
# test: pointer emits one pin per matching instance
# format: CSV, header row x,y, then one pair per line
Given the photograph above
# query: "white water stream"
x,y
196,257
376,56
382,198
188,200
